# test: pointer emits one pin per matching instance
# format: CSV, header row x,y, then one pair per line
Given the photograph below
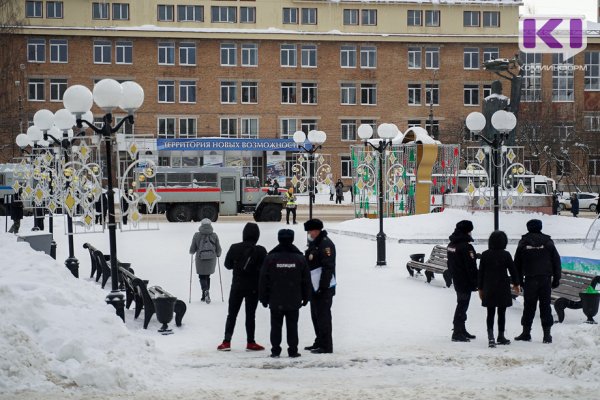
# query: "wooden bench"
x,y
436,264
100,264
136,290
566,295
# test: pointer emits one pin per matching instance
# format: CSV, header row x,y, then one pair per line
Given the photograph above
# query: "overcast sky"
x,y
589,8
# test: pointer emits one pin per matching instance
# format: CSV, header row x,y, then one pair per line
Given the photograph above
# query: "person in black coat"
x,y
245,260
463,268
539,271
16,212
494,284
555,204
284,287
339,191
320,256
574,205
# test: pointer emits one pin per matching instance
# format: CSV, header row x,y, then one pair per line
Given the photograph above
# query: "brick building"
x,y
264,69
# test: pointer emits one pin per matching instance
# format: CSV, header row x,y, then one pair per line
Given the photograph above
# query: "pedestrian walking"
x,y
494,284
284,287
462,265
205,244
339,191
290,205
245,260
539,271
555,204
320,256
16,212
574,204
331,191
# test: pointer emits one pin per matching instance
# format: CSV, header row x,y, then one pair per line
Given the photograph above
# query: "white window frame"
x,y
286,52
249,128
247,15
223,14
491,19
432,92
473,56
490,53
368,57
290,16
348,56
39,86
368,91
228,53
563,80
308,124
247,90
532,80
415,92
591,123
121,47
187,53
166,51
471,19
58,87
103,45
592,71
368,17
415,57
310,91
166,120
346,164
249,55
120,11
228,92
54,9
432,18
348,129
37,48
470,95
37,11
432,58
350,16
286,124
289,90
348,94
309,16
190,13
308,56
100,10
185,122
229,132
187,88
165,12
163,91
414,18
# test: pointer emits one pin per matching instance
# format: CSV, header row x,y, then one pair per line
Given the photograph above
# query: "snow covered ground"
x,y
59,340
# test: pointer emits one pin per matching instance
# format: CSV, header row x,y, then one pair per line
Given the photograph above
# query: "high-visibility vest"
x,y
290,200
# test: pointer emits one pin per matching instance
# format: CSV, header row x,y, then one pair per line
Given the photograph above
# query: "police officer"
x,y
463,267
284,286
539,270
290,205
321,261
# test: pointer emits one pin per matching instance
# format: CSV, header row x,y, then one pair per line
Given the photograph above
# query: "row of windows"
x,y
35,9
194,13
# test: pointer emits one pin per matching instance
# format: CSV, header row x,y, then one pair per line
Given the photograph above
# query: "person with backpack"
x,y
205,244
245,259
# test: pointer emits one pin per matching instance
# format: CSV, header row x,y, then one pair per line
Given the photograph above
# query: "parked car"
x,y
586,201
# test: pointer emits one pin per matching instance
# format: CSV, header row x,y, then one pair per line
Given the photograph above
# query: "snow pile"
x,y
575,353
57,332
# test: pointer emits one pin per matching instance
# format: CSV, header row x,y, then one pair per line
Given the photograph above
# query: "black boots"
x,y
547,336
460,334
468,335
525,336
501,339
491,341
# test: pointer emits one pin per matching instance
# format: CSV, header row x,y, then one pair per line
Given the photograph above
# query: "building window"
x,y
288,127
432,18
368,94
187,128
346,166
228,92
54,9
36,90
368,57
224,14
59,52
290,15
124,52
249,128
309,93
471,58
413,123
307,125
187,53
563,167
229,127
120,11
350,17
432,57
248,15
348,129
563,132
432,94
562,79
592,70
471,95
288,93
288,55
490,53
228,55
309,16
348,56
57,89
165,12
249,55
348,94
190,13
414,18
33,9
187,91
166,128
487,90
368,17
308,56
166,91
432,127
102,52
100,10
414,94
36,50
249,92
166,53
126,128
491,19
532,81
470,18
414,58
594,167
591,123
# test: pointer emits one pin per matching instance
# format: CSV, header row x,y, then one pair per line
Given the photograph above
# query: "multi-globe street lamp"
x,y
315,142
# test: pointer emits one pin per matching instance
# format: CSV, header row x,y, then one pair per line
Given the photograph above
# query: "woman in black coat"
x,y
494,284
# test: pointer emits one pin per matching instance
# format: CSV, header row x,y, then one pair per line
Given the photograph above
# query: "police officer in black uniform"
x,y
320,256
539,270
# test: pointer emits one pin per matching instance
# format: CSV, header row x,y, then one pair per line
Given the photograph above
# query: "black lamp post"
x,y
316,139
503,122
108,95
386,133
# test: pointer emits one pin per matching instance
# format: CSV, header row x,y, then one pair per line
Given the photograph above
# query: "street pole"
x,y
381,235
495,149
51,216
311,188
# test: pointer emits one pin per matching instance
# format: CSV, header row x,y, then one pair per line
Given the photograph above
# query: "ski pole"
x,y
220,280
191,267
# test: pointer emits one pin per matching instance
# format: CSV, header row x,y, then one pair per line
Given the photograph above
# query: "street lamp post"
x,y
503,122
316,140
386,133
108,95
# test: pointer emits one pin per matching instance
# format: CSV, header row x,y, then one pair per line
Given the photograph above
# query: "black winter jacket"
x,y
284,279
462,262
321,253
493,280
245,259
16,208
536,255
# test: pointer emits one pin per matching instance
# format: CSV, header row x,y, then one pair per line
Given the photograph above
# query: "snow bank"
x,y
576,353
57,332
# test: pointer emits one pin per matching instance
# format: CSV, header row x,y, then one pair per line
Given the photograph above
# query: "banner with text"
x,y
226,144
